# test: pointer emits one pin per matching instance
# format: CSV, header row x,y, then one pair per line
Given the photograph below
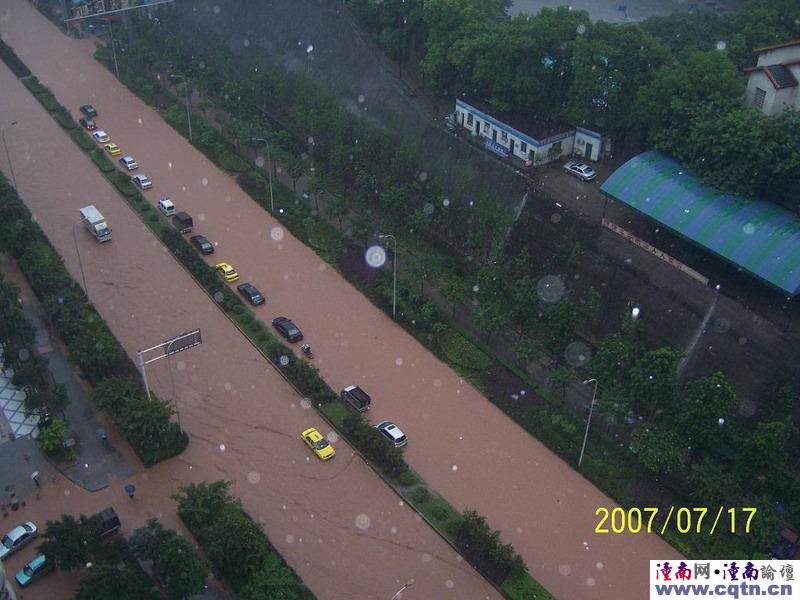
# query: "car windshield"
x,y
321,444
293,330
7,541
27,570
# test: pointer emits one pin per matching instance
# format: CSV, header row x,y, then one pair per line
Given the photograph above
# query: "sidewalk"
x,y
96,458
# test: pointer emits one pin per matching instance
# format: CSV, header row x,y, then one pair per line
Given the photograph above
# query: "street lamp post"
x,y
8,156
186,89
408,584
80,261
113,47
394,272
269,172
589,420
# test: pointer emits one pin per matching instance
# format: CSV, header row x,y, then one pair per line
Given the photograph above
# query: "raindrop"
x,y
721,45
475,288
253,477
555,218
181,365
361,99
375,256
577,354
332,436
222,447
219,296
24,354
398,361
437,383
428,209
581,29
204,181
590,582
246,43
201,217
748,229
310,140
722,325
309,48
550,289
393,530
742,341
445,202
565,570
276,233
260,162
228,387
455,468
216,9
306,403
599,564
426,557
289,538
422,176
284,360
363,521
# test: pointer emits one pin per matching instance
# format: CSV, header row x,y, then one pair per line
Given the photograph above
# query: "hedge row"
x,y
237,547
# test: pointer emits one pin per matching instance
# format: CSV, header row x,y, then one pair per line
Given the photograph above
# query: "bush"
x,y
408,478
15,65
441,512
101,160
232,162
83,140
65,119
420,495
123,183
460,351
52,437
49,101
374,446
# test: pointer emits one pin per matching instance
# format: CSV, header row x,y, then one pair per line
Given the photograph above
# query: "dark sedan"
x,y
249,291
89,111
287,329
88,124
201,243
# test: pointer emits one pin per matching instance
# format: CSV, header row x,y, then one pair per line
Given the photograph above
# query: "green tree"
x,y
51,400
52,437
454,290
653,381
660,450
273,580
704,402
771,442
237,548
121,581
179,568
712,483
66,543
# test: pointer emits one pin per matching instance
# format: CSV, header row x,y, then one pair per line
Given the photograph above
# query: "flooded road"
x,y
337,524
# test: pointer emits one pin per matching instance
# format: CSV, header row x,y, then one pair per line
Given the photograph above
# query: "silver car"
x,y
580,170
142,182
18,537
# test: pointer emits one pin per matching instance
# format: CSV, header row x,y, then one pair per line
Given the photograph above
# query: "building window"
x,y
504,136
523,147
486,127
758,100
469,119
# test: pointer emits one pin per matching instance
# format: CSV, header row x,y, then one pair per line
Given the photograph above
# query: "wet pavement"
x,y
345,532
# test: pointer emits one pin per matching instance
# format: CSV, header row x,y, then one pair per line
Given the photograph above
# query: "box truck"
x,y
95,223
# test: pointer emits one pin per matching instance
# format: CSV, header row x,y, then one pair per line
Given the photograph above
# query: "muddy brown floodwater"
x,y
343,530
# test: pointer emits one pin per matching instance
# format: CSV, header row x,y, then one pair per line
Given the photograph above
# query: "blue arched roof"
x,y
760,237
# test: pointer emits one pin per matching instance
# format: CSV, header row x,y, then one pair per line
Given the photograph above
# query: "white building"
x,y
6,591
772,86
514,135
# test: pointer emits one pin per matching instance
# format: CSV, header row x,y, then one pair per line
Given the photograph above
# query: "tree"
x,y
52,437
653,381
660,450
66,543
238,546
120,581
273,580
454,290
200,503
295,167
704,402
50,400
713,483
771,441
179,568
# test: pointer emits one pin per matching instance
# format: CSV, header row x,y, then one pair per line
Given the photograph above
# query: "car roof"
x,y
18,531
199,238
38,561
99,132
246,286
127,157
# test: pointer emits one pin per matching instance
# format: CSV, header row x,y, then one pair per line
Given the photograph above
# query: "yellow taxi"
x,y
113,149
228,272
315,440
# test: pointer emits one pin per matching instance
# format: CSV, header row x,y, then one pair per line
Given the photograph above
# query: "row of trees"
x,y
674,81
113,571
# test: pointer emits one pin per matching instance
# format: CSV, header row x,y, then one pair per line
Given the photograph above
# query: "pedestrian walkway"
x,y
14,423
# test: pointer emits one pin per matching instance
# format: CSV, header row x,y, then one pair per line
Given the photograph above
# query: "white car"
x,y
580,170
142,181
392,433
18,537
128,162
166,206
101,137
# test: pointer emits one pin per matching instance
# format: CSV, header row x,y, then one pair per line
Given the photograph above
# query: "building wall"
x,y
759,80
6,591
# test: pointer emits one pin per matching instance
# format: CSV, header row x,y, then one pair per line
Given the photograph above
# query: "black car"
x,y
249,291
287,329
89,111
201,243
356,397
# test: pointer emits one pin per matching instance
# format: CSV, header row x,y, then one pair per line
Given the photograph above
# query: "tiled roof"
x,y
780,76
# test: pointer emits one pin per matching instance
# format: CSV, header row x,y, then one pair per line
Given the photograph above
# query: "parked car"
x,y
202,244
392,433
166,206
113,149
287,329
227,271
101,137
106,522
249,291
142,181
17,538
128,162
315,440
356,397
580,170
33,570
88,124
89,111
183,222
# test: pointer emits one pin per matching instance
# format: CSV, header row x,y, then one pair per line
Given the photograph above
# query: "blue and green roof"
x,y
760,237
